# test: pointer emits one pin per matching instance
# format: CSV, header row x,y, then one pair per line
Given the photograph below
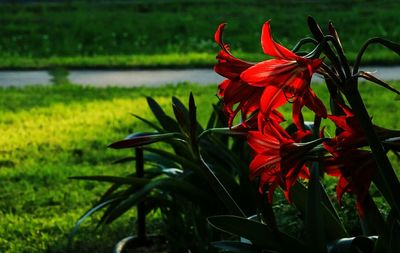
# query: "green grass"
x,y
51,133
177,33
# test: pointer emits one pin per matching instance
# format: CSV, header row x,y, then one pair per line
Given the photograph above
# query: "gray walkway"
x,y
132,78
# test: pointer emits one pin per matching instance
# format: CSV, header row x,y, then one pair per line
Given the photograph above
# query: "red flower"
x,y
278,159
355,169
285,78
234,91
351,134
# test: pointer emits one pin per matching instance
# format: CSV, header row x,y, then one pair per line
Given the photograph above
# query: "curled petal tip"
x,y
218,34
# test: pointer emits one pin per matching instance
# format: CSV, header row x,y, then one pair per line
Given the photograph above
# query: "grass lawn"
x,y
51,133
177,33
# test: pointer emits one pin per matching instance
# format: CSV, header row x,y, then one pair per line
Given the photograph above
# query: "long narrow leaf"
x,y
236,247
182,119
185,111
394,225
334,228
395,47
137,141
220,190
212,120
259,234
124,160
373,79
83,218
193,124
173,186
114,179
359,244
314,220
184,161
149,123
166,122
303,42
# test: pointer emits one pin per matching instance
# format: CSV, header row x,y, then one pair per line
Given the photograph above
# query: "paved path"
x,y
132,78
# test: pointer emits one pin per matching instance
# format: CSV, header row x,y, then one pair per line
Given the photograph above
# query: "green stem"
x,y
385,173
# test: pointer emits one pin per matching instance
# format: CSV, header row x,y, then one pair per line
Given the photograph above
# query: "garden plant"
x,y
250,154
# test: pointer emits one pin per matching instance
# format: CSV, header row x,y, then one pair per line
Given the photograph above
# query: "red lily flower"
x,y
233,90
277,160
351,135
355,169
284,78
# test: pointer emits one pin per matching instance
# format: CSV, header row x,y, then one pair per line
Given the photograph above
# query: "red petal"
x,y
270,72
272,98
237,92
270,47
263,143
222,87
314,103
261,164
229,66
277,116
218,35
298,119
341,188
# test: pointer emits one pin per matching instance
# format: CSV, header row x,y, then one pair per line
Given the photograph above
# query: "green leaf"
x,y
83,218
142,139
220,190
314,219
380,245
193,124
166,122
315,29
373,79
169,185
113,179
159,160
394,226
333,32
334,228
236,247
224,130
157,128
177,103
358,244
303,42
124,160
109,191
259,234
395,47
182,119
186,163
212,120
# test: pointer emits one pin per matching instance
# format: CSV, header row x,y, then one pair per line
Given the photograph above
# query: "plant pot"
x,y
132,244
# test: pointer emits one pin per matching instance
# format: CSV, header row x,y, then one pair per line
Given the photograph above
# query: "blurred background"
x,y
92,34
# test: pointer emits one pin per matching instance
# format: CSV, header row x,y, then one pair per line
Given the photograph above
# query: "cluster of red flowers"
x,y
257,90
